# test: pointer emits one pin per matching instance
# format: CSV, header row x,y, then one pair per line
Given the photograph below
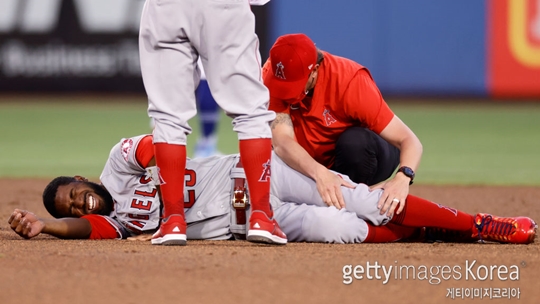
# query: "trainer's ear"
x,y
80,178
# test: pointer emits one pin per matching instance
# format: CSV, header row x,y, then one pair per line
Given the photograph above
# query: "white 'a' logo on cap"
x,y
279,70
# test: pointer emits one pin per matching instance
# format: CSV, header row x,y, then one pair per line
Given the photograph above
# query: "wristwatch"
x,y
408,172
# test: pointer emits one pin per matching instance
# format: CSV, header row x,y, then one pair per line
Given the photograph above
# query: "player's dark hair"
x,y
49,194
320,56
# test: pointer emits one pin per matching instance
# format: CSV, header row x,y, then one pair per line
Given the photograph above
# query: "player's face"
x,y
81,198
310,84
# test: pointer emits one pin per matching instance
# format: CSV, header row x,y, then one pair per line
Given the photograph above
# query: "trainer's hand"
x,y
140,238
25,223
329,187
394,195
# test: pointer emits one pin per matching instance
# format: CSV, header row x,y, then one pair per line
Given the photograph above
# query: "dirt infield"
x,y
48,270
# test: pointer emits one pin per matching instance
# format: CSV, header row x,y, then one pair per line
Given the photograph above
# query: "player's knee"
x,y
329,225
356,154
365,205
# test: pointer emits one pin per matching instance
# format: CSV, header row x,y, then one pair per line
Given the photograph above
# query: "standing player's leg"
x,y
232,64
168,70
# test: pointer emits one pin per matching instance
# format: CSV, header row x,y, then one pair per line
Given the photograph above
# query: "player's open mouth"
x,y
91,202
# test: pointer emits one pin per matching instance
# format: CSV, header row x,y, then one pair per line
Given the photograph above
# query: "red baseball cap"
x,y
293,57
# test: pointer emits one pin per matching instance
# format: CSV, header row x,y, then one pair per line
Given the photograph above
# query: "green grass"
x,y
476,143
464,143
68,136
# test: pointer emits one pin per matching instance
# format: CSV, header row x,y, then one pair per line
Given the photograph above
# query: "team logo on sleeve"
x,y
265,176
328,118
279,70
125,148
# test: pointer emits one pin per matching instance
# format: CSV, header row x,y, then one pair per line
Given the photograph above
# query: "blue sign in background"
x,y
413,47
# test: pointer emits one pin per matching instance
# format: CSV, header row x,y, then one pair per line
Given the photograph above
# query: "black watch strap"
x,y
407,172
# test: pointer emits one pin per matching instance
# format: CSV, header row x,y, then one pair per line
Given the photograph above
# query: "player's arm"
x,y
145,157
401,136
364,102
92,226
286,146
294,155
28,225
284,140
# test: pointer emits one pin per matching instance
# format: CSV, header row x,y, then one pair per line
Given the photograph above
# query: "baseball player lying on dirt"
x,y
126,204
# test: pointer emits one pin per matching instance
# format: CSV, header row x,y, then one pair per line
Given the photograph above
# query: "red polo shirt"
x,y
344,96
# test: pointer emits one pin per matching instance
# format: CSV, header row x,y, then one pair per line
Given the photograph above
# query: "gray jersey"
x,y
298,208
137,205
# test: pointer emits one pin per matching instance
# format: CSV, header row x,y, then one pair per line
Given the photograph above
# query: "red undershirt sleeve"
x,y
145,151
102,229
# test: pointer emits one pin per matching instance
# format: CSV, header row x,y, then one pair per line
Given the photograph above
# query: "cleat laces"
x,y
497,229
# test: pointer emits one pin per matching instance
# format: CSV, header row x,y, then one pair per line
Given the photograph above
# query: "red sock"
x,y
388,233
419,212
255,155
171,160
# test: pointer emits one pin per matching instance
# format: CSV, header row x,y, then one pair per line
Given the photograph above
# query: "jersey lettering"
x,y
144,180
141,205
191,180
138,224
146,205
146,193
190,199
139,216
